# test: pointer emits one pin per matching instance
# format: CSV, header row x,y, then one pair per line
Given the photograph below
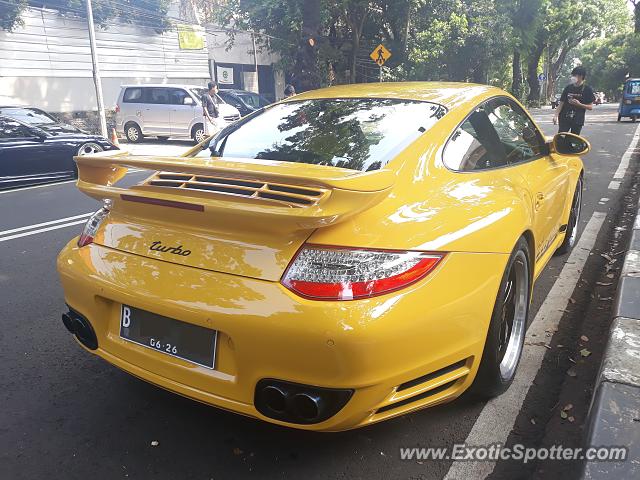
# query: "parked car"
x,y
35,148
164,111
630,101
244,100
340,258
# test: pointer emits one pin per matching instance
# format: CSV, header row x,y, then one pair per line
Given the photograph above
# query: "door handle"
x,y
540,196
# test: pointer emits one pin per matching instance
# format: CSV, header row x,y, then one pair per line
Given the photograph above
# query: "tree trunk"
x,y
532,73
516,71
355,46
307,75
636,11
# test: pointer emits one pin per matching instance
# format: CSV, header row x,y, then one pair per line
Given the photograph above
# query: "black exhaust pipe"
x,y
274,398
307,407
81,328
298,403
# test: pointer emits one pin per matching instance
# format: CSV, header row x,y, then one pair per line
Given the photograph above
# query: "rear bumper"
x,y
371,346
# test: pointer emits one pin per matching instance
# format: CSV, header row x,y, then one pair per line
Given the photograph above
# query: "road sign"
x,y
542,77
380,55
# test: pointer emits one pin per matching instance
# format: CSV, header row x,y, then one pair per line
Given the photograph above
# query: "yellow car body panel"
x,y
242,246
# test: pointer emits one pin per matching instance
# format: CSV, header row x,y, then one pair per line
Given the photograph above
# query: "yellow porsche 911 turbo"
x,y
342,257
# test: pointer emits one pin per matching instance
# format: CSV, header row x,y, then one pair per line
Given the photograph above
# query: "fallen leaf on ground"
x,y
237,451
567,407
571,419
584,352
571,372
563,414
155,443
584,338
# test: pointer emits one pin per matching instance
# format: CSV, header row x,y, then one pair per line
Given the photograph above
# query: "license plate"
x,y
189,342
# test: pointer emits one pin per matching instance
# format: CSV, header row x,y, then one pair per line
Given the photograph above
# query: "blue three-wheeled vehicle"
x,y
630,102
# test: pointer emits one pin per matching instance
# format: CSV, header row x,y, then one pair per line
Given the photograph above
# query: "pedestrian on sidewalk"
x,y
576,99
210,109
289,91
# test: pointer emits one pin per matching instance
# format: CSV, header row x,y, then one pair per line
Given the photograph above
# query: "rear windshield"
x,y
634,88
32,116
355,133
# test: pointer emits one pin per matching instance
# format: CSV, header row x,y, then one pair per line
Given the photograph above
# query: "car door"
x,y
546,175
183,112
157,111
26,158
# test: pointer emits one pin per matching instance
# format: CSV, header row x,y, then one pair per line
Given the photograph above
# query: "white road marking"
x,y
614,185
498,416
43,224
41,230
22,189
624,161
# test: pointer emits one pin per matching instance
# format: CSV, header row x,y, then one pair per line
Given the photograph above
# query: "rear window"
x,y
132,95
32,116
355,133
634,88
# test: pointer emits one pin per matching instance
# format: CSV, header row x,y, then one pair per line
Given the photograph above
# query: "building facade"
x,y
47,62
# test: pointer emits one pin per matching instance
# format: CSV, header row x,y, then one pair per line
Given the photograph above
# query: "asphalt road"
x,y
67,414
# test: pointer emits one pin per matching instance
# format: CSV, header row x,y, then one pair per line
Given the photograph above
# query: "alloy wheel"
x,y
576,209
513,317
89,149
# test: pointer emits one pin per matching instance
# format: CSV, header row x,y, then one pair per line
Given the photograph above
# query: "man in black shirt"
x,y
576,99
210,109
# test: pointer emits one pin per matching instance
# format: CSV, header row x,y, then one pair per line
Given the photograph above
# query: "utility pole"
x,y
96,71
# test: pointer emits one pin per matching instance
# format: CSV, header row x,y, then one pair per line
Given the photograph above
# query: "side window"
x,y
11,129
158,95
177,96
132,95
496,134
231,100
519,136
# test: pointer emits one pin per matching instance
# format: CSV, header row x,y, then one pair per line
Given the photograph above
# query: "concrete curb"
x,y
614,416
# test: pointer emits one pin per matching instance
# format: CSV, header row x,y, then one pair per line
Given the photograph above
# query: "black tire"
x,y
133,132
163,139
619,117
198,134
573,224
505,340
633,119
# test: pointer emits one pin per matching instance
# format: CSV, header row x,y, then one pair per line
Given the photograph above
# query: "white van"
x,y
165,110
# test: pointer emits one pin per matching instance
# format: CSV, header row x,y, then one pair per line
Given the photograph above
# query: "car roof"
x,y
449,94
172,85
235,90
20,106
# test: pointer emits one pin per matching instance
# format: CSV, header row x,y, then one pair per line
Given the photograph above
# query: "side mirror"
x,y
188,101
570,144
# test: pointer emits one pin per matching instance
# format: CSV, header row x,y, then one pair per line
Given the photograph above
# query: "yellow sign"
x,y
380,55
190,37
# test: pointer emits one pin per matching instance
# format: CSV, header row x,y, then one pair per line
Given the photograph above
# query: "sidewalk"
x,y
614,416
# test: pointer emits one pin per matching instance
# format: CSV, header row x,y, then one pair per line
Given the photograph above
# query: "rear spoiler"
x,y
343,192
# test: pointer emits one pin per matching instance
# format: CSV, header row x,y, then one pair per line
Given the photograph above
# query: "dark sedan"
x,y
245,101
35,148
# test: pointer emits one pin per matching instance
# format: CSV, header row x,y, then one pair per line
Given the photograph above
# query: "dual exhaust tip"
x,y
297,403
81,328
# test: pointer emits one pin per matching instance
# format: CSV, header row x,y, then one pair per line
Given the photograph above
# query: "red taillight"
x,y
117,108
91,227
333,273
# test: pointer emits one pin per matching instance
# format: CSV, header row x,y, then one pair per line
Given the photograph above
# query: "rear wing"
x,y
280,194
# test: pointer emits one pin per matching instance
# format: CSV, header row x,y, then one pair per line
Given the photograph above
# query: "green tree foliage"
x,y
609,60
151,13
